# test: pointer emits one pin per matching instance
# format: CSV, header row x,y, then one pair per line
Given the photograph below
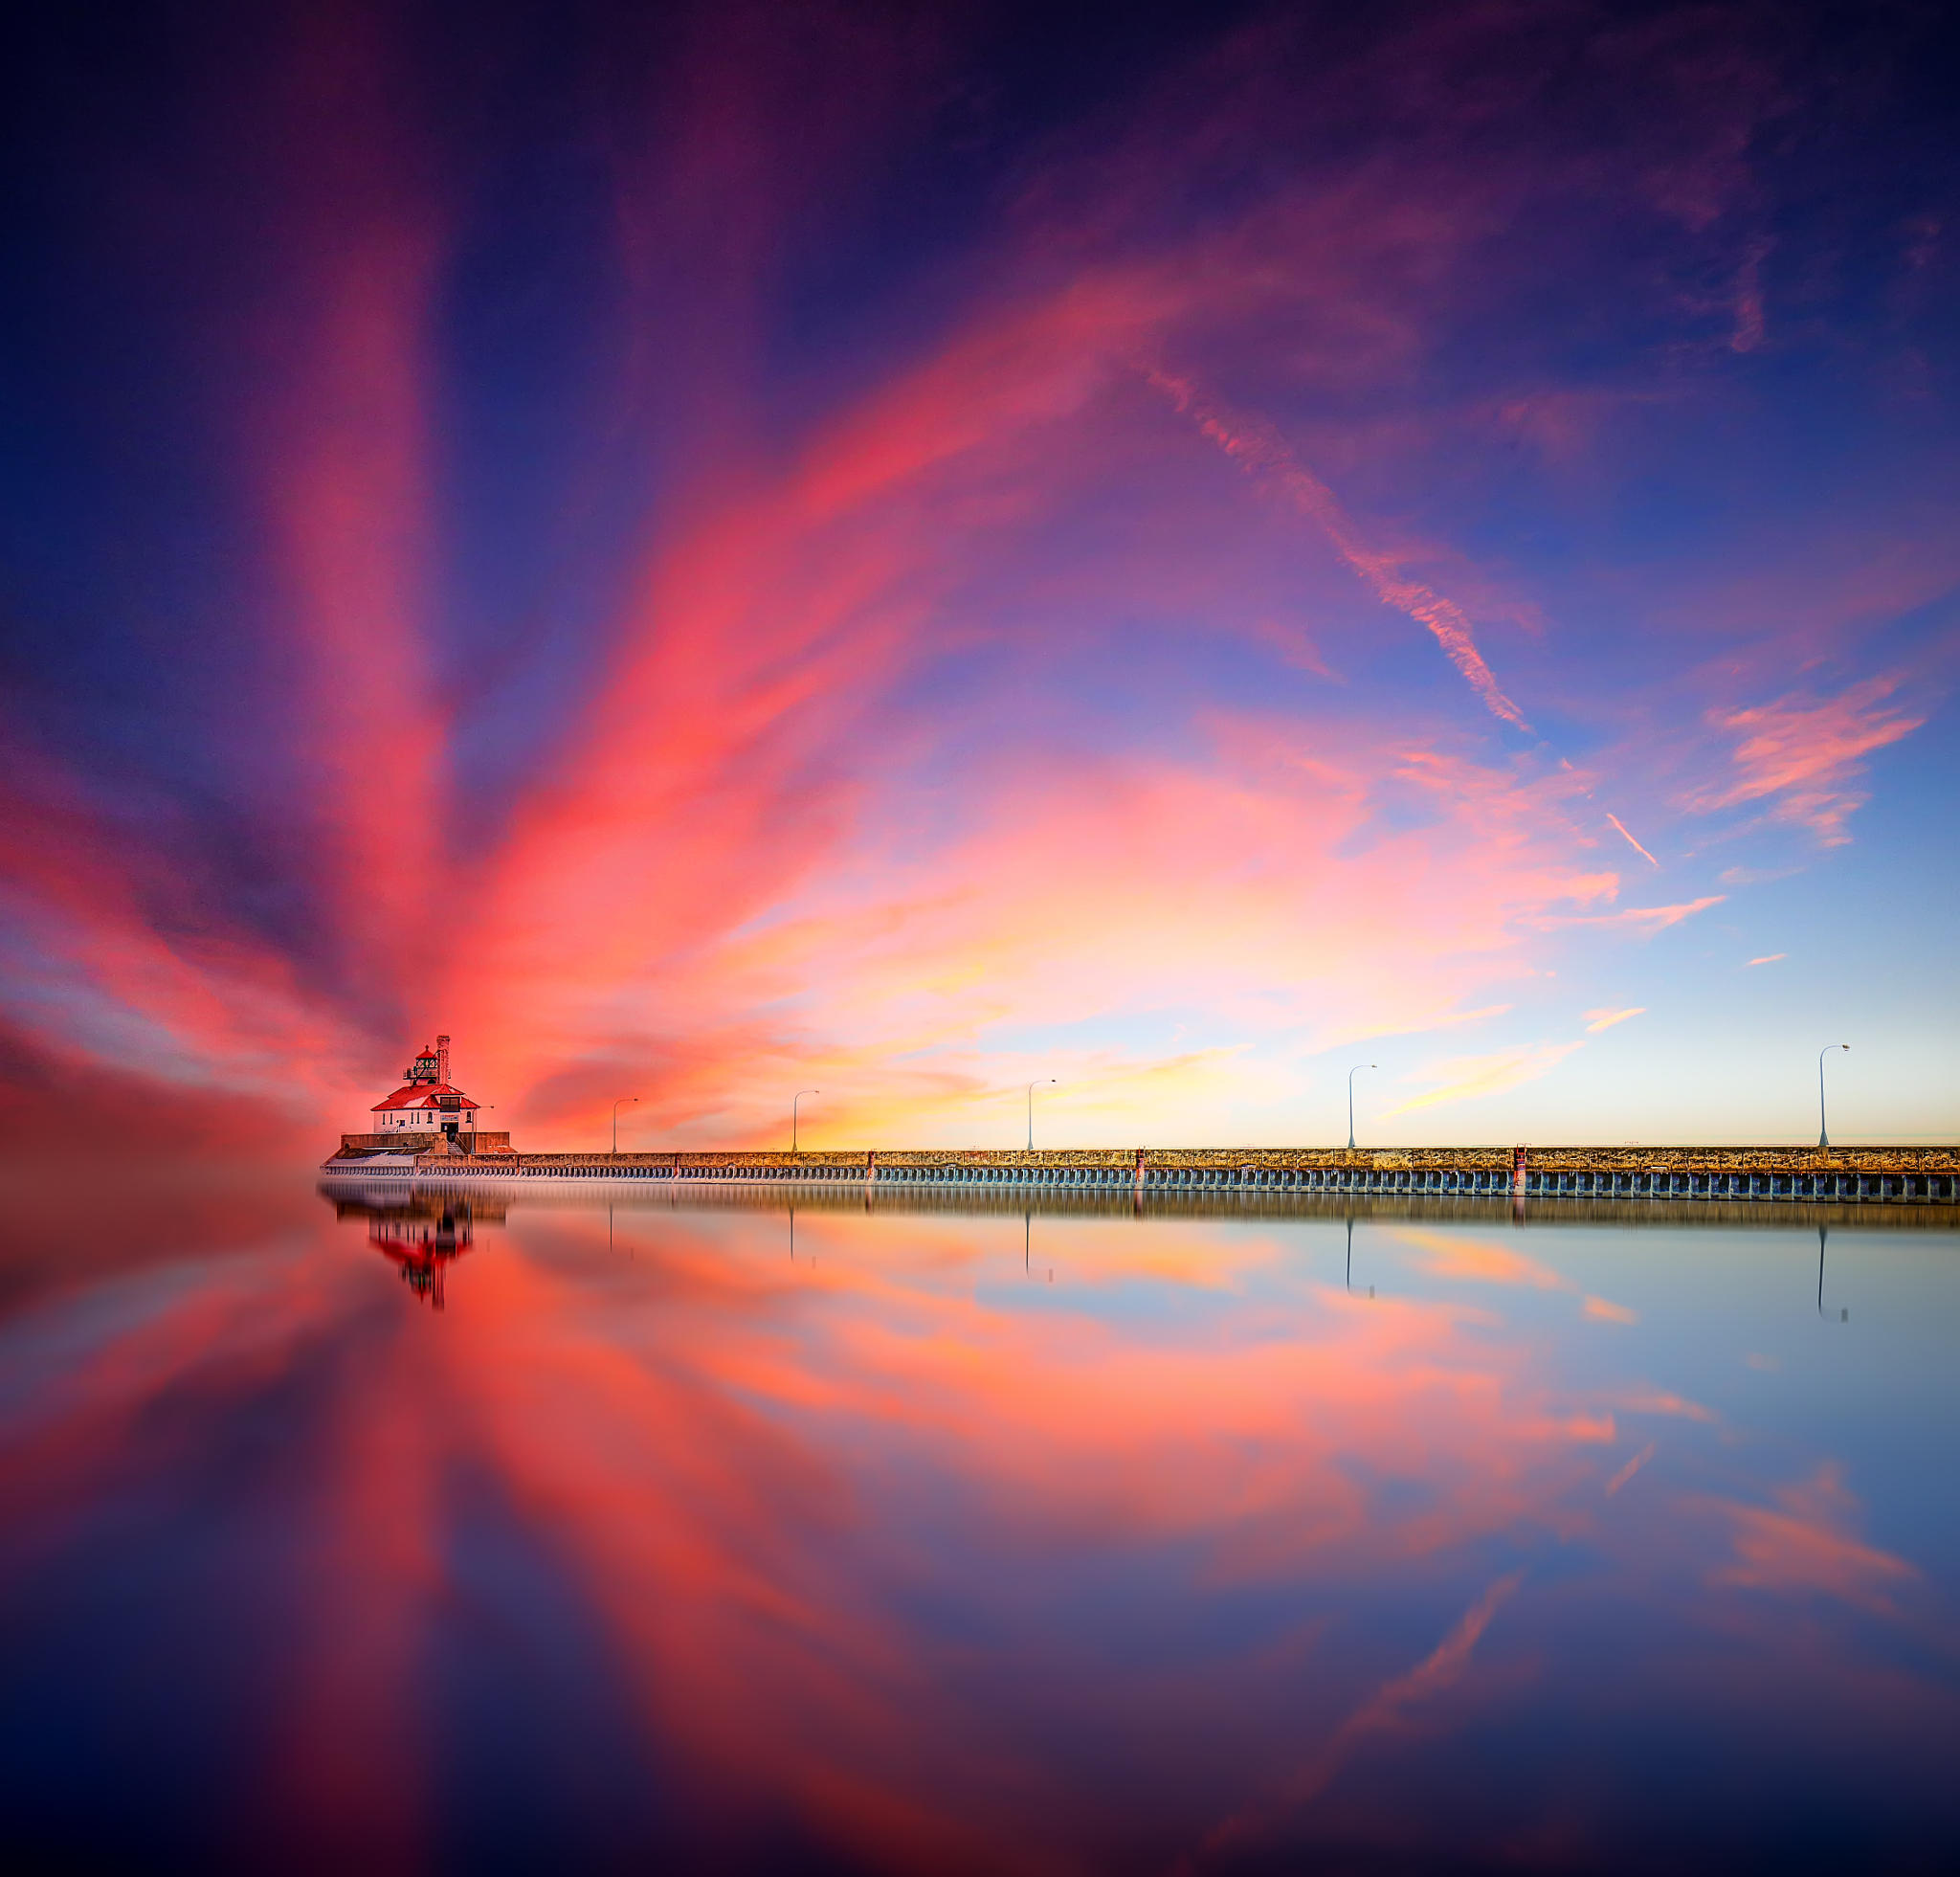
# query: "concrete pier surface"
x,y
1918,1175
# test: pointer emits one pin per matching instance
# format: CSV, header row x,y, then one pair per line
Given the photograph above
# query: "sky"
x,y
1171,553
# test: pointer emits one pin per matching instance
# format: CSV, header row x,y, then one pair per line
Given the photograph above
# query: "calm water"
x,y
953,1540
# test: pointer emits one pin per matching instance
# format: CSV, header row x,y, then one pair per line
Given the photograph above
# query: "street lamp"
x,y
1351,1074
793,1100
616,1105
1824,1131
1031,1107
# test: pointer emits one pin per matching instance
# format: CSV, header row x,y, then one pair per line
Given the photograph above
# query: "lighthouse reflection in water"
x,y
897,1536
421,1235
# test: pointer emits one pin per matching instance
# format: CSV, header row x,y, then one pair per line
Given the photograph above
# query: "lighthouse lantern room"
x,y
427,1103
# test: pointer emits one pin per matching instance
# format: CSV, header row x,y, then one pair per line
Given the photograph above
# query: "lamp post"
x,y
793,1100
616,1105
1823,1128
1351,1074
1031,1107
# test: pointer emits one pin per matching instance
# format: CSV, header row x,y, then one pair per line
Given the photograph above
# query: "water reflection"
x,y
422,1233
1823,1239
1583,1544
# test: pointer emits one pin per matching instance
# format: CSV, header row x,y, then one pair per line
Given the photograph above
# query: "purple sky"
x,y
902,552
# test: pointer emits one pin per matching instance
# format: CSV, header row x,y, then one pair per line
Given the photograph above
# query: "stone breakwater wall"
x,y
1854,1175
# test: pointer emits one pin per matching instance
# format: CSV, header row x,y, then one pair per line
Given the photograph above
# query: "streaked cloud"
x,y
1632,842
1470,1078
1605,1020
1643,919
1627,1472
1801,755
1258,449
1804,1545
1385,1708
1469,1257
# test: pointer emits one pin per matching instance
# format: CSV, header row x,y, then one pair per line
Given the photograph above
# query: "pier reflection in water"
x,y
1061,1533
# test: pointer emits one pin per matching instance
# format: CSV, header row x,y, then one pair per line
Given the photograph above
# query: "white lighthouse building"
x,y
427,1104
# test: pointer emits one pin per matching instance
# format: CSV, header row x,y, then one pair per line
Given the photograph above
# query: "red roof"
x,y
422,1095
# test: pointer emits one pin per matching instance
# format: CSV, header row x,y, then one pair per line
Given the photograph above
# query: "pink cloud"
x,y
1605,1020
1384,1710
1802,1545
1459,1256
1470,1078
1627,1472
1620,825
1801,755
1262,453
1642,918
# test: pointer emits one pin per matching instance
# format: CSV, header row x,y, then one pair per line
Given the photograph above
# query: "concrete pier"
x,y
1917,1176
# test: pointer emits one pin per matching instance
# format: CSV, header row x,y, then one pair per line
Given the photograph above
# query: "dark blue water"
x,y
394,1537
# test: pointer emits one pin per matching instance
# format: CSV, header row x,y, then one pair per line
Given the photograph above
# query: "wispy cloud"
x,y
1801,755
1469,1078
1481,1261
1803,1545
1384,1709
1605,1020
1632,842
1769,958
1755,876
1638,918
1259,450
1627,1472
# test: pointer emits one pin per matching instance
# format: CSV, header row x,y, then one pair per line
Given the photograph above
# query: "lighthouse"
x,y
427,1103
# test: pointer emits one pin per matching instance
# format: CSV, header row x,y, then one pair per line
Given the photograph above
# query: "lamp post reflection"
x,y
1350,1258
1823,1236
